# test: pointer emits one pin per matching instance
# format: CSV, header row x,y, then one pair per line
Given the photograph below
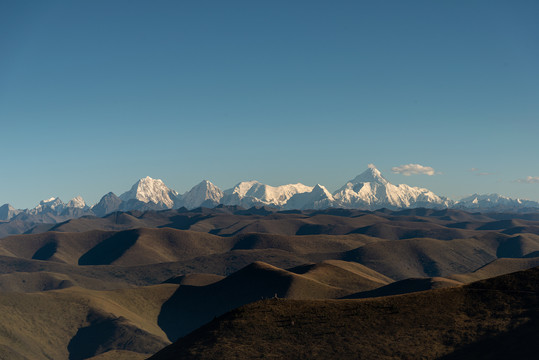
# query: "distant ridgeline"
x,y
368,191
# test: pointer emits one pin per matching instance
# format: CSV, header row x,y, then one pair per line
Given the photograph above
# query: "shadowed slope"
x,y
518,246
496,268
44,281
406,286
424,257
413,229
77,323
34,275
105,333
147,246
301,244
195,279
343,274
128,247
191,307
54,246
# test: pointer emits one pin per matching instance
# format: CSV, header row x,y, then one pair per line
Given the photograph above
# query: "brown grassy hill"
x,y
53,246
114,222
157,254
78,323
149,246
496,268
119,355
229,221
446,215
180,252
18,274
518,246
413,229
406,286
128,247
461,322
195,279
343,274
44,281
193,306
402,259
306,244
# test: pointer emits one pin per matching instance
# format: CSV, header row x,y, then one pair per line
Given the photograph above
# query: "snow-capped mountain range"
x,y
369,191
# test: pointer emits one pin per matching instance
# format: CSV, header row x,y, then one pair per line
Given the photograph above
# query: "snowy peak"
x,y
51,203
372,174
321,191
318,198
370,190
76,202
148,190
254,193
243,188
494,201
203,194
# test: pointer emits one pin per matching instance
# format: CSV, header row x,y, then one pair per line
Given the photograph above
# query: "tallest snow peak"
x,y
370,190
372,174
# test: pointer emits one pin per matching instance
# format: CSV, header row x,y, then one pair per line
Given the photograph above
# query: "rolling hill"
x,y
127,284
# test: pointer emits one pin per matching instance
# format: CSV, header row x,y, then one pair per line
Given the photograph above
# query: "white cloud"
x,y
413,169
530,180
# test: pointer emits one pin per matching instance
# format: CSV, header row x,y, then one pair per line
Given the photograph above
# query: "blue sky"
x,y
97,94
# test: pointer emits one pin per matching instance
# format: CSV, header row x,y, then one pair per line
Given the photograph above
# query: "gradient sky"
x,y
97,94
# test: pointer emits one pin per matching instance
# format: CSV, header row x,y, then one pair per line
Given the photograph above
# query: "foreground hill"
x,y
77,323
132,323
193,306
494,318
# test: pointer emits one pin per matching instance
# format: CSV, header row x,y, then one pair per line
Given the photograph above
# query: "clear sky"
x,y
97,94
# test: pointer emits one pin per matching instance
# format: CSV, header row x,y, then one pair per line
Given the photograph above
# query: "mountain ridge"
x,y
367,191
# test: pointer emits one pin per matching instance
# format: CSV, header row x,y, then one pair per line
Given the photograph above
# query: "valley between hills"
x,y
229,282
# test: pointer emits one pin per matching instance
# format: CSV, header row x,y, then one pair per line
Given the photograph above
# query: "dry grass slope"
x,y
78,323
459,322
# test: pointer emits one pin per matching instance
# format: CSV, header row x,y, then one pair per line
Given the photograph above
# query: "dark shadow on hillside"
x,y
193,306
315,229
46,251
184,222
110,249
511,248
105,334
400,287
520,343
